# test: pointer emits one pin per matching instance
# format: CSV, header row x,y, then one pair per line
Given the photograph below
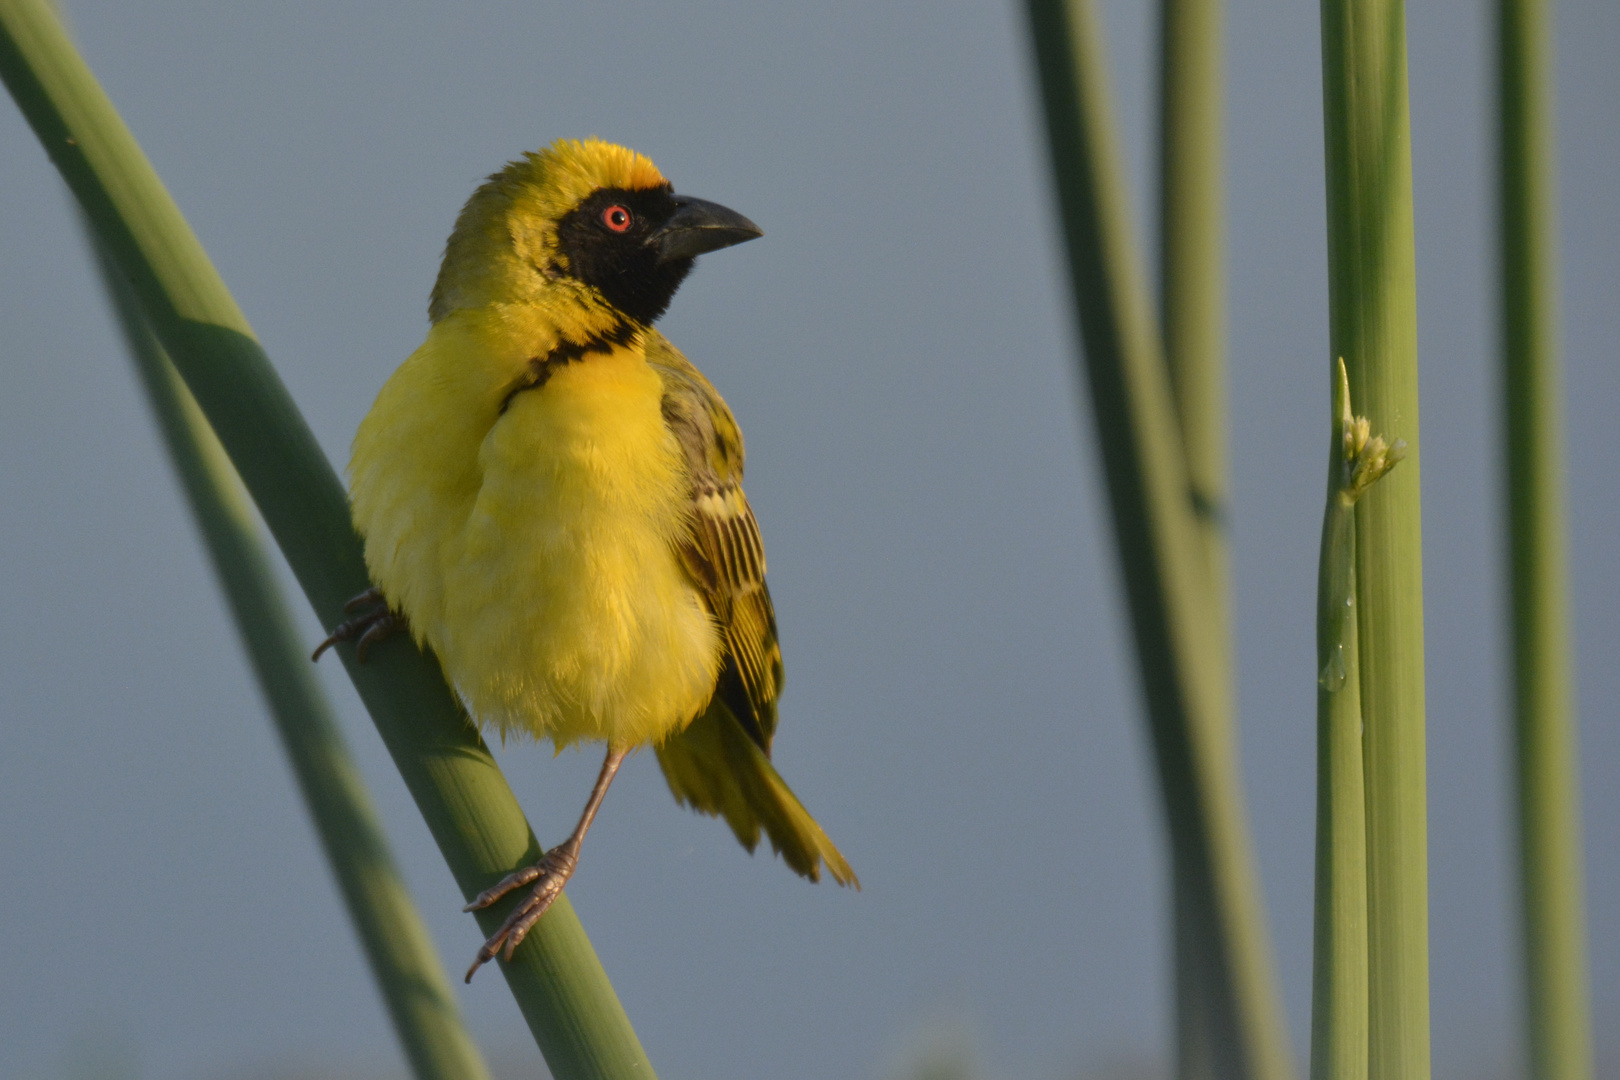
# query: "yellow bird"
x,y
551,499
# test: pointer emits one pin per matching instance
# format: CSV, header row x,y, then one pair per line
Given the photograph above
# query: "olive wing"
x,y
723,550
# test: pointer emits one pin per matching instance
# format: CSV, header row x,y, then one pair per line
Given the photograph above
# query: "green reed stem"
x,y
1191,249
1373,325
396,941
1558,1012
1156,531
1193,321
556,977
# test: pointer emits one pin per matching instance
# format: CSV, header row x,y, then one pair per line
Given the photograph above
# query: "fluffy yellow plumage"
x,y
550,497
537,551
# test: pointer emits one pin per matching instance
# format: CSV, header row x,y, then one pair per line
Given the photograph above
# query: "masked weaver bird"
x,y
551,499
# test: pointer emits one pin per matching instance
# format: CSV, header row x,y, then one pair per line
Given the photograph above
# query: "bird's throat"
x,y
565,352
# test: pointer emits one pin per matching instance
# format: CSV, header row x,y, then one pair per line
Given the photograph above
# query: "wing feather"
x,y
724,550
720,763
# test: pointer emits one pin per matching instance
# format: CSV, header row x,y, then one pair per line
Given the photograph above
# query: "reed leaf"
x,y
1339,961
1547,787
1373,325
396,942
555,976
1339,1039
1156,533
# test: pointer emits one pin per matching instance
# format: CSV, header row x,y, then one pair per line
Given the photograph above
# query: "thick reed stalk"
x,y
1157,537
1193,318
396,941
556,978
1373,326
1550,879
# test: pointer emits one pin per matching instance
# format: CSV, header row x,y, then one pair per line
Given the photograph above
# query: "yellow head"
x,y
589,223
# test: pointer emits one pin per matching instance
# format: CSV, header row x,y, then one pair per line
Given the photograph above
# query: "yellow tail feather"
x,y
715,768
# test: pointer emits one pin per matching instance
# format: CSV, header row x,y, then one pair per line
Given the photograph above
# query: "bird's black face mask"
x,y
636,247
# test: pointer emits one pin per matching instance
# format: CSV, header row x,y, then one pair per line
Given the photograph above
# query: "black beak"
x,y
698,226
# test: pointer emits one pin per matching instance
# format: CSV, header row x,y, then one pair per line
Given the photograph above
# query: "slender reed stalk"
x,y
1373,325
1192,315
1190,266
1156,533
1356,461
396,941
556,978
1558,1013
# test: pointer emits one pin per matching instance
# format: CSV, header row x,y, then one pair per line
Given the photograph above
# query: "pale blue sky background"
x,y
961,709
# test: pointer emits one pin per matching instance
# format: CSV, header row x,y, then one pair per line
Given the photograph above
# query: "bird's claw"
x,y
375,623
553,872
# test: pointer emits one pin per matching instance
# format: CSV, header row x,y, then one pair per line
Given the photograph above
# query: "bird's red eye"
x,y
617,218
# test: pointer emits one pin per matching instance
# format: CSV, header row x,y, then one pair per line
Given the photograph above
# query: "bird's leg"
x,y
553,871
374,622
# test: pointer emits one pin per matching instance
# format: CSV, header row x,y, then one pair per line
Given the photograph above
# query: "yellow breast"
x,y
535,549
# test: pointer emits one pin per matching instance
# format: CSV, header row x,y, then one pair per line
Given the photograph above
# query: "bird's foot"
x,y
372,622
553,872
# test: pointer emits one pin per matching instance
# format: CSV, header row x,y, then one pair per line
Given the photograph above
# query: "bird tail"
x,y
715,768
